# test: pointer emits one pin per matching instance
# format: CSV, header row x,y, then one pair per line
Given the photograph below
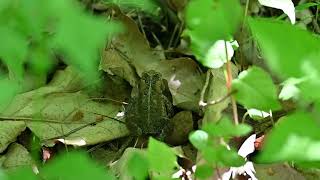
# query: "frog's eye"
x,y
157,77
144,76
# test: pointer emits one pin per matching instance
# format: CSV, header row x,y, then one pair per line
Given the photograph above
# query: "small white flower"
x,y
182,173
246,148
120,114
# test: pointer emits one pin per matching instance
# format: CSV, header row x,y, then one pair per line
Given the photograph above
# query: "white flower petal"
x,y
255,113
290,89
216,55
248,146
226,175
177,174
249,169
73,141
286,6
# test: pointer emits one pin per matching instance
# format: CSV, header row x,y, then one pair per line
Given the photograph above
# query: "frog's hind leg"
x,y
134,129
124,146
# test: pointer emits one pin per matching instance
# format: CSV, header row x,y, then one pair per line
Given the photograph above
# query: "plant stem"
x,y
228,83
245,14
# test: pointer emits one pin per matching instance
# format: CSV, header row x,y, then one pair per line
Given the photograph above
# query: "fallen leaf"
x,y
184,80
16,157
9,131
129,49
53,112
182,125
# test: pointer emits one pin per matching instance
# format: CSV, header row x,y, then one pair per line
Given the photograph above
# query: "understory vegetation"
x,y
159,89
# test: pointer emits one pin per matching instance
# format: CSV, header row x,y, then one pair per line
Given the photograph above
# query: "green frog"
x,y
149,110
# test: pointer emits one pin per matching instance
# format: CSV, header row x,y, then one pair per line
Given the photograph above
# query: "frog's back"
x,y
147,112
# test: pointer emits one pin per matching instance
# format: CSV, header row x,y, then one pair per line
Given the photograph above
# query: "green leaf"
x,y
224,128
304,6
255,89
22,173
3,176
285,47
74,165
13,50
204,171
290,89
311,81
8,90
199,139
137,166
220,154
209,21
71,37
161,158
294,138
210,154
41,61
229,157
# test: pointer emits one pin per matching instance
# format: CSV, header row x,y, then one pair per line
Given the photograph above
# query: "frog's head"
x,y
153,79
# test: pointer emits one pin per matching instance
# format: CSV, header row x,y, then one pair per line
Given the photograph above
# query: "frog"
x,y
149,110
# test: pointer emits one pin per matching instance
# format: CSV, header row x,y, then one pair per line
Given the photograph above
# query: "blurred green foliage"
x,y
208,21
34,32
255,89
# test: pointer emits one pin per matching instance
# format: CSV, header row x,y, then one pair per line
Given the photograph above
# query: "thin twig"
x,y
125,103
172,36
203,91
158,41
316,26
28,119
141,25
70,132
245,14
65,144
95,147
178,35
317,14
110,117
229,80
244,117
218,100
79,128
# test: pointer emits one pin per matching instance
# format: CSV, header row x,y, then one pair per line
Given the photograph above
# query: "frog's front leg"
x,y
162,135
134,129
168,106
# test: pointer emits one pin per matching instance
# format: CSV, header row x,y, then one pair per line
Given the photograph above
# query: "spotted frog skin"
x,y
149,110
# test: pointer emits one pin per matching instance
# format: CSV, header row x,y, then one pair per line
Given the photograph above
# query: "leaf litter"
x,y
66,111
